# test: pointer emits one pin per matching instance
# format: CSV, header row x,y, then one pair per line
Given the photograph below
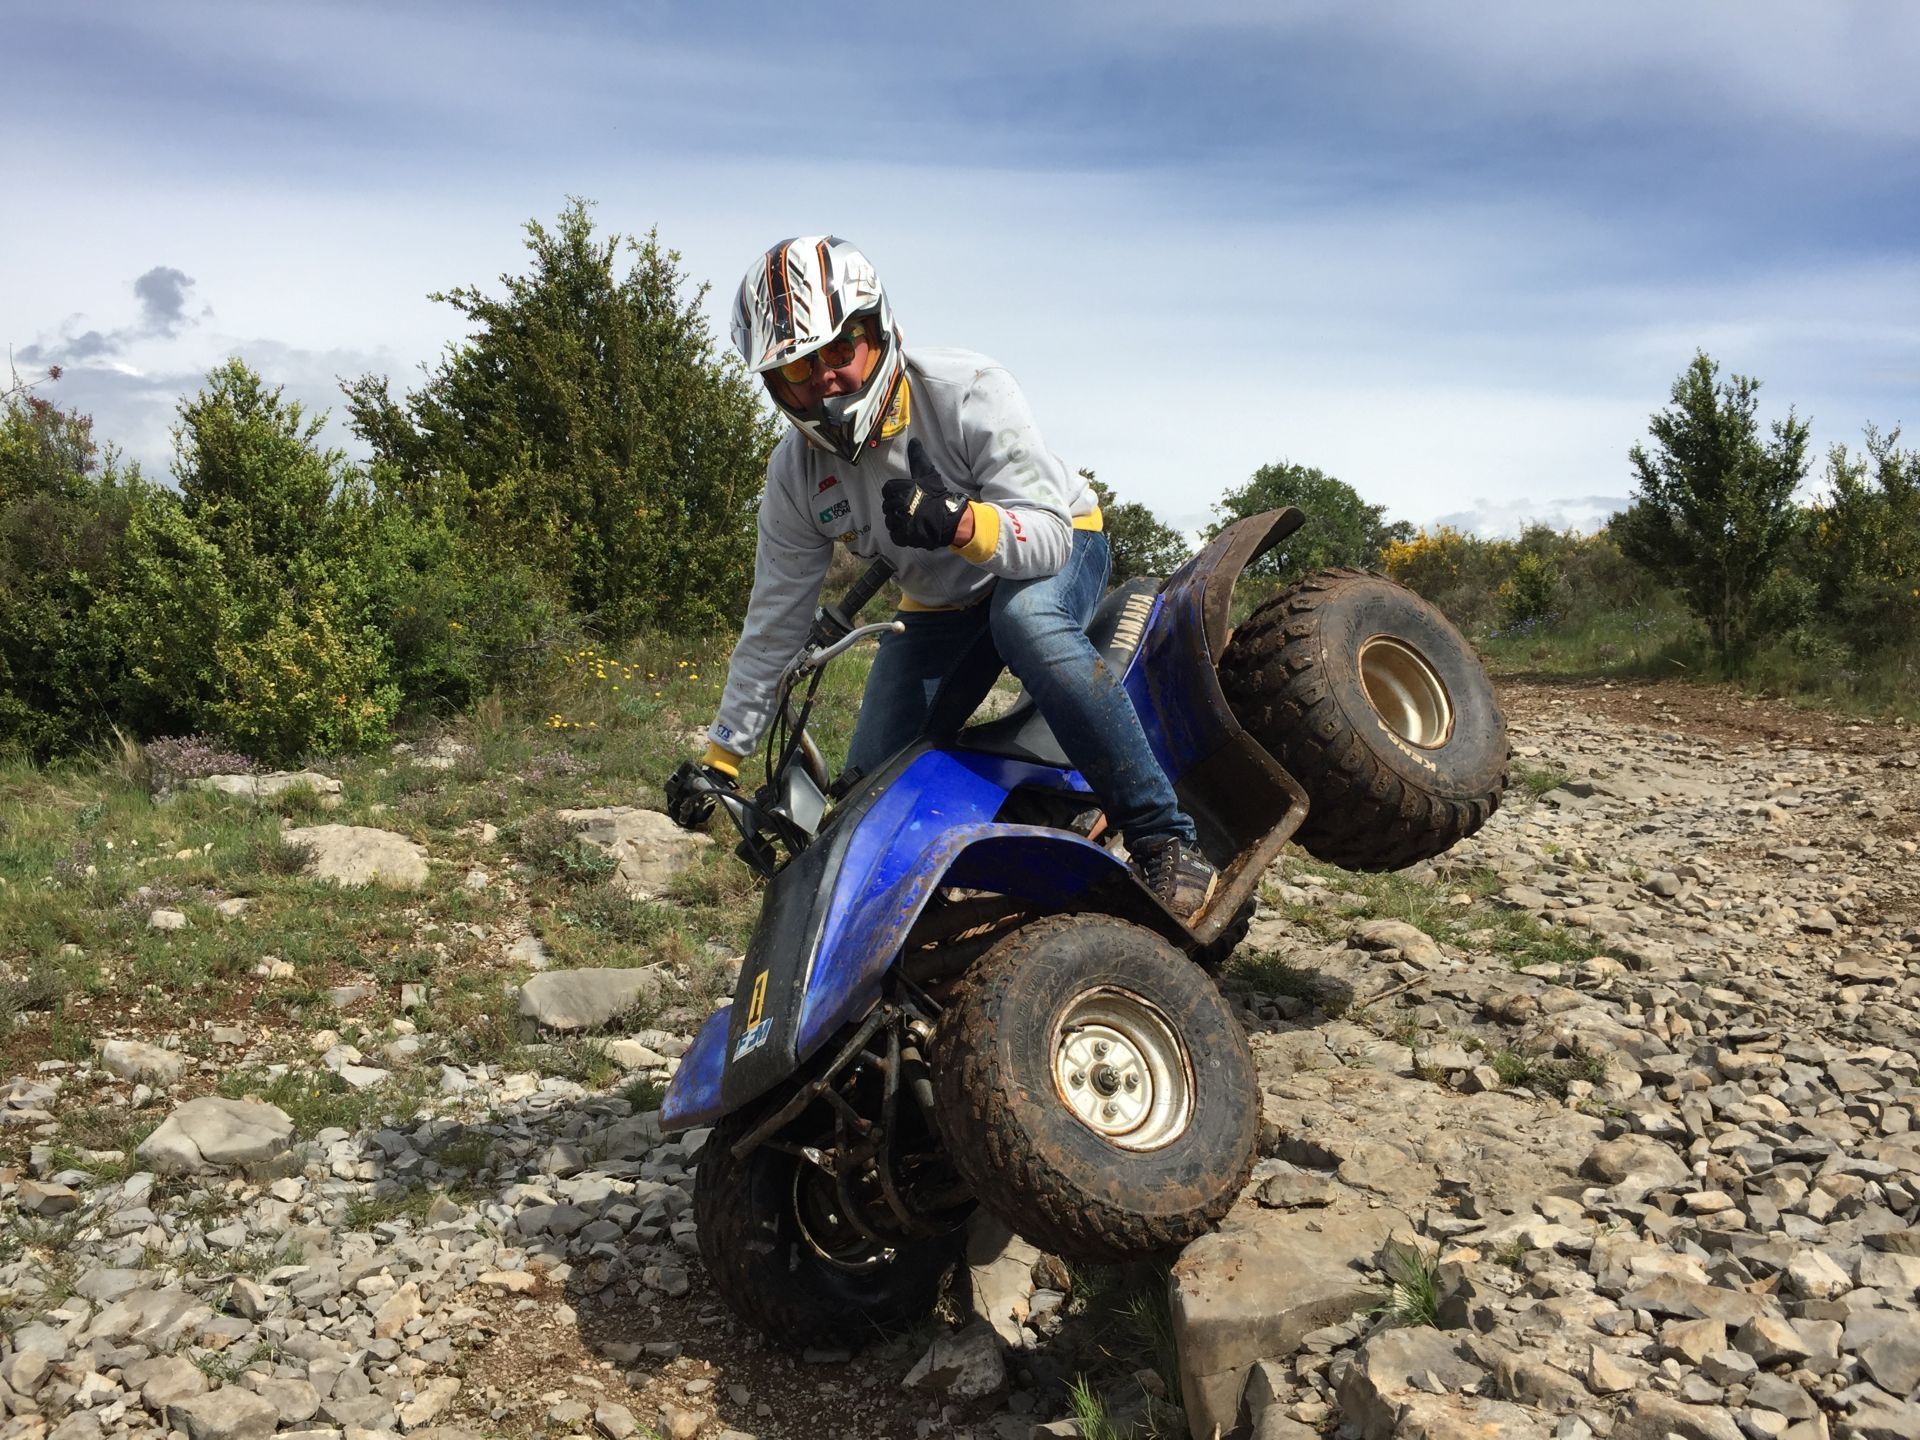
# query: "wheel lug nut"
x,y
1132,1082
1100,1048
1077,1079
1107,1112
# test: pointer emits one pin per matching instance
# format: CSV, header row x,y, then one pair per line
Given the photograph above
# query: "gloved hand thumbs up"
x,y
921,512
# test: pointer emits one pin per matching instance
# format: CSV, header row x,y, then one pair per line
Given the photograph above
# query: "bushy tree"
x,y
1865,535
243,606
1713,509
462,616
1495,584
1340,528
593,429
63,511
1141,543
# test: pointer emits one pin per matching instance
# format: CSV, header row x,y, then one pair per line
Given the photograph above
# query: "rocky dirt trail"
x,y
1665,1186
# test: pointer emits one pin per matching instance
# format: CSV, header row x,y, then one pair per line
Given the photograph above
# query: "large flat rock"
x,y
360,855
212,1133
651,849
567,1000
1253,1289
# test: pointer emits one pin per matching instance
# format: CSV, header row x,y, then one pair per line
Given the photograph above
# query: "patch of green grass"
x,y
1429,906
1266,973
553,847
1512,1253
1414,1296
322,1100
577,1060
1537,780
41,988
1090,1412
105,1128
410,1203
219,1366
1543,1074
1655,640
102,1163
468,1154
643,1094
1148,1313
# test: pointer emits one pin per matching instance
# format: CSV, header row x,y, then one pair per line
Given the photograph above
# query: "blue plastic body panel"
x,y
694,1096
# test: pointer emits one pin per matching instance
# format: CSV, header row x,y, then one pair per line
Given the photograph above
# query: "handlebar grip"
x,y
865,588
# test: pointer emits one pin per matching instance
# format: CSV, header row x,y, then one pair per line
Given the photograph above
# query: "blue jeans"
x,y
929,679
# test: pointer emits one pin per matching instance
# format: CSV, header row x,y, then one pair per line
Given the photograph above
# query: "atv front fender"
x,y
694,1096
836,916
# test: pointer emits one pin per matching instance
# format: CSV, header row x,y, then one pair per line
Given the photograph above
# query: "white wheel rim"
x,y
1122,1071
1406,692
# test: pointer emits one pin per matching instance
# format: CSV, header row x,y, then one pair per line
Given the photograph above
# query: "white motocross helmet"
x,y
799,297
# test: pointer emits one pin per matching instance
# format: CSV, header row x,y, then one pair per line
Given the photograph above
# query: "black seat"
x,y
1116,629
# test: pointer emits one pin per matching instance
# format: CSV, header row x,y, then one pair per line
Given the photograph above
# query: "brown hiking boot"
x,y
1180,877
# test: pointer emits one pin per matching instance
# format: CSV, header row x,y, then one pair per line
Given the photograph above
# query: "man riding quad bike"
x,y
957,992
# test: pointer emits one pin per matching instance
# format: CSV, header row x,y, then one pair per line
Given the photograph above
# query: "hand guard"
x,y
690,791
921,512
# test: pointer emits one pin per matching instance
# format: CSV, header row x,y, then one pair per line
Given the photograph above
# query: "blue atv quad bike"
x,y
958,993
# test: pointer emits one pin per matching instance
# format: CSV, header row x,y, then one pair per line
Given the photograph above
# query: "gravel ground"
x,y
1666,1185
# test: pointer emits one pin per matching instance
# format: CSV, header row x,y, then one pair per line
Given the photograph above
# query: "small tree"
x,y
63,511
243,608
1141,543
592,429
1340,528
1865,536
1714,508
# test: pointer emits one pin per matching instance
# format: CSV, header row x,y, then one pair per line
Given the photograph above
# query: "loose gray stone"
x,y
965,1367
651,849
212,1133
228,1413
588,999
135,1060
270,786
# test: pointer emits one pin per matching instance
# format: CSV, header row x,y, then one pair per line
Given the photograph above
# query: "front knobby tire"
x,y
1041,1040
1379,708
788,1264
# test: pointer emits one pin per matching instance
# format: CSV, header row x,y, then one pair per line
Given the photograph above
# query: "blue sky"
x,y
1454,255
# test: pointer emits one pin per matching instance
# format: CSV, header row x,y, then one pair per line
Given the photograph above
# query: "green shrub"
x,y
63,512
305,683
1528,594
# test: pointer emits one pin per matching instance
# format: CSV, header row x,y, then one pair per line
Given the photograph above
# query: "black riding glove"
x,y
690,793
922,513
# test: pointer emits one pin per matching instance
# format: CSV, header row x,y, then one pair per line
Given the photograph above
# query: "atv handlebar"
x,y
814,659
833,620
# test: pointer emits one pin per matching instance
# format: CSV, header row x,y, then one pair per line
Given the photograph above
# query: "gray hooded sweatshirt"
x,y
969,413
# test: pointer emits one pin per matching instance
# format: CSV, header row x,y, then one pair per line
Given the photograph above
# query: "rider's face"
x,y
825,381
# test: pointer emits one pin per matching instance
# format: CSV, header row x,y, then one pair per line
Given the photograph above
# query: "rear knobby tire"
x,y
1381,710
1003,1058
757,1253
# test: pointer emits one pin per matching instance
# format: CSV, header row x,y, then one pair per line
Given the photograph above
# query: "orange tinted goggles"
x,y
835,353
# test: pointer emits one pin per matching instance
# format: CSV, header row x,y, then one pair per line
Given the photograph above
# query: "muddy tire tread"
x,y
1001,1160
1273,674
734,1245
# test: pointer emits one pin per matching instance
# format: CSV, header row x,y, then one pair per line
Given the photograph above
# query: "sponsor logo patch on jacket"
x,y
827,484
835,511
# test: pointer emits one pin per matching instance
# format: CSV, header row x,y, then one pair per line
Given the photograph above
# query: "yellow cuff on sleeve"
x,y
722,759
986,533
